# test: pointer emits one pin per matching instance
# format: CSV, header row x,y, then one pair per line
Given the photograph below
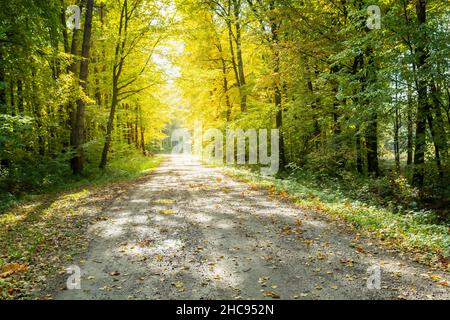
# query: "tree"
x,y
78,124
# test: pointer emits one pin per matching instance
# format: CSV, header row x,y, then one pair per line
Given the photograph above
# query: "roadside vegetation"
x,y
41,232
386,209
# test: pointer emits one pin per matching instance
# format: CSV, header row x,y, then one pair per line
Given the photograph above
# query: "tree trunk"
x,y
437,128
410,127
240,61
142,131
225,82
372,146
396,130
20,100
109,127
72,68
396,139
3,105
422,95
78,129
277,93
359,162
117,70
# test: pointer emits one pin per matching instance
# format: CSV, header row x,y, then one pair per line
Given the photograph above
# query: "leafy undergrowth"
x,y
41,235
412,231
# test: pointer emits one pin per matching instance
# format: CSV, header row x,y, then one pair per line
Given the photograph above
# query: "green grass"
x,y
405,228
43,232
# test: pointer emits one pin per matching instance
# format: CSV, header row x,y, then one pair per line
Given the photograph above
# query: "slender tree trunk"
x,y
335,112
396,139
240,61
142,132
396,130
109,127
3,104
372,145
277,92
225,81
12,98
136,130
117,70
359,162
437,149
410,129
64,27
78,129
316,126
72,68
422,95
20,100
437,128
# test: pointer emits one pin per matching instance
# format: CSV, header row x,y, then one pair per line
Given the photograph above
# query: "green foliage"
x,y
50,175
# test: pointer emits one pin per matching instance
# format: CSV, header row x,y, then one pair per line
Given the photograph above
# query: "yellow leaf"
x,y
271,294
435,277
12,268
164,201
179,285
167,211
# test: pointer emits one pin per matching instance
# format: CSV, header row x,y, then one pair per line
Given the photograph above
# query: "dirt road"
x,y
189,232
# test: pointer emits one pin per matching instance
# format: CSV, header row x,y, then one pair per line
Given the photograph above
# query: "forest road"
x,y
187,231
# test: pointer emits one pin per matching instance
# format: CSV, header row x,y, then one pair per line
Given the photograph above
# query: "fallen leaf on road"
x,y
12,268
360,249
347,262
167,211
263,281
435,277
165,201
179,285
321,255
145,243
271,294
